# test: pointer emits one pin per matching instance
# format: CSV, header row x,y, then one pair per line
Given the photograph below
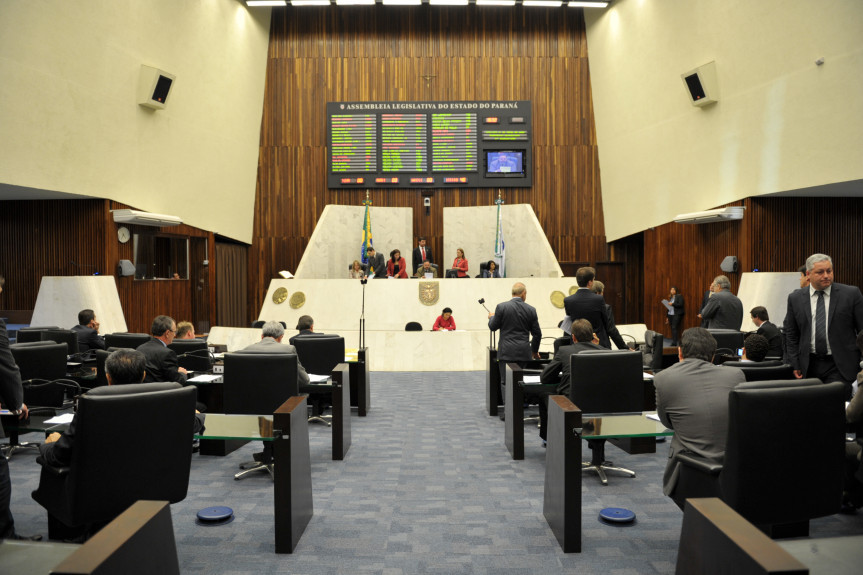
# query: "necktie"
x,y
423,251
820,325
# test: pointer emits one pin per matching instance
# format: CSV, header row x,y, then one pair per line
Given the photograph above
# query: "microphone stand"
x,y
363,281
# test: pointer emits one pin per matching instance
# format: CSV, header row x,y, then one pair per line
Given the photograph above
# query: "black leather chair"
x,y
257,384
258,324
483,267
606,382
559,342
126,340
131,443
652,350
762,370
32,333
40,360
192,354
784,456
319,355
728,341
67,336
409,326
101,356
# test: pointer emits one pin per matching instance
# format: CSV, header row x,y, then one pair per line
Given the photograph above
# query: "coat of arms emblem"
x,y
429,292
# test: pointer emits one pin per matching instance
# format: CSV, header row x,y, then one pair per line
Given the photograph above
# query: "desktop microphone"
x,y
482,303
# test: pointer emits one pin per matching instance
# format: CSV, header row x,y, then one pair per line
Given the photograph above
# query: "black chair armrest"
x,y
700,463
58,471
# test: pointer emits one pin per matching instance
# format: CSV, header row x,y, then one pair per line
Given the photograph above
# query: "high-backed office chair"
x,y
40,360
42,397
728,341
606,382
784,456
126,340
652,350
32,333
762,370
67,336
483,267
192,354
258,324
320,356
409,326
257,384
131,443
101,356
559,342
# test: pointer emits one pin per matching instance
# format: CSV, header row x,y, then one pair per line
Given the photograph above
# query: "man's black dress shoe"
x,y
17,537
502,416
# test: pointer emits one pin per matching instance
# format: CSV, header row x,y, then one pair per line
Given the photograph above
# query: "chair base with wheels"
x,y
265,464
598,463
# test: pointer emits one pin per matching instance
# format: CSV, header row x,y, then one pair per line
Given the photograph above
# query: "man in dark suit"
x,y
584,304
558,370
822,324
516,320
724,310
421,253
767,330
376,264
306,325
692,399
88,331
162,362
613,333
11,398
271,342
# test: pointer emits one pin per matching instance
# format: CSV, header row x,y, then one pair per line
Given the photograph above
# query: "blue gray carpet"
x,y
426,488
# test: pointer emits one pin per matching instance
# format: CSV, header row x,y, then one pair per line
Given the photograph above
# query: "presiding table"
x,y
567,426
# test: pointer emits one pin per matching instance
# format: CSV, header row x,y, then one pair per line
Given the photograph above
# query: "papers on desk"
x,y
61,419
204,378
653,416
647,375
314,378
531,380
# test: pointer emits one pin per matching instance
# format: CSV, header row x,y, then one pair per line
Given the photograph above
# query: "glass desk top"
x,y
250,427
605,426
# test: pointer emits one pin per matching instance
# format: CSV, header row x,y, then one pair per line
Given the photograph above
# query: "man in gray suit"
x,y
271,342
376,265
724,310
692,399
516,321
822,324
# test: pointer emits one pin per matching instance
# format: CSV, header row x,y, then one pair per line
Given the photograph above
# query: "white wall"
x,y
782,122
69,121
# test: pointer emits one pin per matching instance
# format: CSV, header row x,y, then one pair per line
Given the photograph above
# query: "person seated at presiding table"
x,y
397,267
123,366
306,326
162,362
459,265
271,342
445,321
87,331
185,330
490,270
558,370
426,268
356,272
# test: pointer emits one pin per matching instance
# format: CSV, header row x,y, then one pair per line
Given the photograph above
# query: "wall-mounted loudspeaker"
x,y
729,264
154,86
125,268
701,85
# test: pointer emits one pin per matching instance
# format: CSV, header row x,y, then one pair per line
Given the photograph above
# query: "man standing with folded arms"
x,y
822,324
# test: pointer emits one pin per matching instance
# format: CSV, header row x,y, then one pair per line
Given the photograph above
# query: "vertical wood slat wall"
x,y
44,237
382,53
776,235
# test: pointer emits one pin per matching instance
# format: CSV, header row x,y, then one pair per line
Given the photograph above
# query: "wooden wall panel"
x,y
777,234
420,54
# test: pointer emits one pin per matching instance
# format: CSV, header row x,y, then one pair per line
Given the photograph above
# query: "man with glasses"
x,y
162,362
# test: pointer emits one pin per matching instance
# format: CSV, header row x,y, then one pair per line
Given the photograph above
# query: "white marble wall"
x,y
61,298
769,289
528,253
338,236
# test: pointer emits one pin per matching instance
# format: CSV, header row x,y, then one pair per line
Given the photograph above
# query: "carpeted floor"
x,y
427,487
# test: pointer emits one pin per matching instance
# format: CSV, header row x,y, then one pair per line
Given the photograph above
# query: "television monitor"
x,y
504,164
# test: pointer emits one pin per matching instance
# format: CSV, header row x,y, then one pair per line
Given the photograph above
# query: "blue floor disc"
x,y
215,516
617,515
